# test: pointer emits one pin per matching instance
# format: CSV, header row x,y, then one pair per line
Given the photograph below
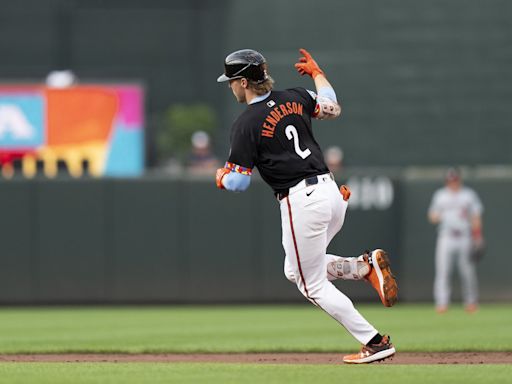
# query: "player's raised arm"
x,y
327,104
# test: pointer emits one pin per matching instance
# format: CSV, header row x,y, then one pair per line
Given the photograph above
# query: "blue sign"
x,y
22,121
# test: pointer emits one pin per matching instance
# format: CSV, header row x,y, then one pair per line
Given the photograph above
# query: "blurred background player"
x,y
457,210
274,134
201,159
333,156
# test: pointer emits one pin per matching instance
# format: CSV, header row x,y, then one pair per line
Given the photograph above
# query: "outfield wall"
x,y
162,240
425,81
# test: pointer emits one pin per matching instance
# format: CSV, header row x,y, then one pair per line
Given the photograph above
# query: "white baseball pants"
x,y
449,249
310,217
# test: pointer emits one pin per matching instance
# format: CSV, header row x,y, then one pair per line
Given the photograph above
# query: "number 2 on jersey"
x,y
291,133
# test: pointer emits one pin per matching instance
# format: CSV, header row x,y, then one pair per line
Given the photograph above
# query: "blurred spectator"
x,y
457,210
334,159
201,159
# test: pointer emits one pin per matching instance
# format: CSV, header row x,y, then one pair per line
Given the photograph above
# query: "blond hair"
x,y
264,87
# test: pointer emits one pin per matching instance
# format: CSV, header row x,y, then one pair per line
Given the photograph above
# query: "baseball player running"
x,y
275,135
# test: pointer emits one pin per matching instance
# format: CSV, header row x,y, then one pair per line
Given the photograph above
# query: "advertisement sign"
x,y
93,128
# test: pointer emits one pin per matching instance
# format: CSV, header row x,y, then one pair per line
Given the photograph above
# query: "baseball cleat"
x,y
441,309
372,352
471,308
381,278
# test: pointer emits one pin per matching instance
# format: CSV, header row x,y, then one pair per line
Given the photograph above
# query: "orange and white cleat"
x,y
441,309
372,352
471,308
381,278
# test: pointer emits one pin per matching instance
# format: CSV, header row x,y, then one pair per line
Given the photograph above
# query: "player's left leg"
x,y
443,267
373,267
340,267
467,272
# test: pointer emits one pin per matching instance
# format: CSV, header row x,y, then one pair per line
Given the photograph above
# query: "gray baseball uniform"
x,y
456,210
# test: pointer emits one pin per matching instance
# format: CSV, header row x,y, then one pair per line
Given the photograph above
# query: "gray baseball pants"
x,y
450,250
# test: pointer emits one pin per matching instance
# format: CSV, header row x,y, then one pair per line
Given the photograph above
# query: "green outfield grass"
x,y
245,329
294,328
78,373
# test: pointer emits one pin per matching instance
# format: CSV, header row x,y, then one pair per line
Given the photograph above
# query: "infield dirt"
x,y
270,358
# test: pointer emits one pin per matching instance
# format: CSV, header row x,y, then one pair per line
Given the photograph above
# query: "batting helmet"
x,y
246,63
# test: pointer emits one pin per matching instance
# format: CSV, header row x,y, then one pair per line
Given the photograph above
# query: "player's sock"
x,y
348,268
375,339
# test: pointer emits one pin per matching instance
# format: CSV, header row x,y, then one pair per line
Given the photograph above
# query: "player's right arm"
x,y
434,211
233,177
327,106
236,174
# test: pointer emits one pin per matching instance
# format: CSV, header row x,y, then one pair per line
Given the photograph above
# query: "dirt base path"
x,y
269,358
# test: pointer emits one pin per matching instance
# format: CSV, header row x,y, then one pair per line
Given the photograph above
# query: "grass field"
x,y
55,373
300,328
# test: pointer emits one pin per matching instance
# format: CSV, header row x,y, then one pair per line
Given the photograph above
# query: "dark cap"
x,y
246,63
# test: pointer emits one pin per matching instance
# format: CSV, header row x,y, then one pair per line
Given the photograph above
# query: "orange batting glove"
x,y
221,172
308,65
345,191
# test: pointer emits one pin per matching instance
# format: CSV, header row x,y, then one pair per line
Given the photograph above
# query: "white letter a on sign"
x,y
14,121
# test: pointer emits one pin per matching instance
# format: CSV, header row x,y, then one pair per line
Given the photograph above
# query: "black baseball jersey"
x,y
275,135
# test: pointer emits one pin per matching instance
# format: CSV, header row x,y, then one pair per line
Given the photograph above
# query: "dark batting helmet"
x,y
246,63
